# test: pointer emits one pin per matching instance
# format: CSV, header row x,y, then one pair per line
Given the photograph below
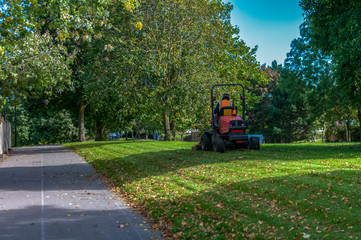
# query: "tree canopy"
x,y
126,62
334,28
149,65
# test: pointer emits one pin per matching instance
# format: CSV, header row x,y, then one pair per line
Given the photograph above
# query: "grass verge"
x,y
288,191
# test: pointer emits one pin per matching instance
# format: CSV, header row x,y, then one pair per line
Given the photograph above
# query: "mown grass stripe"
x,y
281,191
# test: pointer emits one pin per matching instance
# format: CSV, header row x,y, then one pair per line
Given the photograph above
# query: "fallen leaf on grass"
x,y
330,227
219,205
251,236
178,235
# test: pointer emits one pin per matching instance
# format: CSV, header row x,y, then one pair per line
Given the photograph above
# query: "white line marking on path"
x,y
42,196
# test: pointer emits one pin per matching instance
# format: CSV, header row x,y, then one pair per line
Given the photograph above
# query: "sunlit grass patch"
x,y
282,191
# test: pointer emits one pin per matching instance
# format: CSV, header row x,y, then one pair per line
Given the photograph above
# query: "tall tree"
x,y
39,42
157,62
282,114
259,117
316,69
335,29
187,46
31,61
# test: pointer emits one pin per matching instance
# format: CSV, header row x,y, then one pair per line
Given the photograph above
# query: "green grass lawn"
x,y
283,191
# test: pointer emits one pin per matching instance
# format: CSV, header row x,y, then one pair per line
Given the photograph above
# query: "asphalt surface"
x,y
49,192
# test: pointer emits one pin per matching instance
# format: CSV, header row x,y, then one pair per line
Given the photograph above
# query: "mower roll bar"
x,y
242,96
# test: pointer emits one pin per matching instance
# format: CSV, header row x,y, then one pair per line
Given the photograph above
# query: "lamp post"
x,y
15,126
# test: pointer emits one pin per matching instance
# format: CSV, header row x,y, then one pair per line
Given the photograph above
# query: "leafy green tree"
x,y
289,108
260,117
52,127
44,125
326,99
152,61
172,39
32,56
335,29
157,63
22,124
188,46
315,69
41,46
282,114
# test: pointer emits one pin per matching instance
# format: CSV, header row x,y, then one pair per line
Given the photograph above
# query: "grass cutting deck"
x,y
284,191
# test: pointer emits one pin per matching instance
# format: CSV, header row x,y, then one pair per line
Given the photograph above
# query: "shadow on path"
x,y
49,192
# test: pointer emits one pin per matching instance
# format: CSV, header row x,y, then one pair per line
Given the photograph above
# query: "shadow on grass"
x,y
321,204
319,147
325,206
86,145
115,161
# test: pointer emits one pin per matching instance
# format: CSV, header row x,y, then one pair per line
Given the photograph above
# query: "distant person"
x,y
224,103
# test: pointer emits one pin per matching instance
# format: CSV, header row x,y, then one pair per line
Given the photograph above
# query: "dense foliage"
x,y
127,64
309,94
41,127
334,29
282,114
148,65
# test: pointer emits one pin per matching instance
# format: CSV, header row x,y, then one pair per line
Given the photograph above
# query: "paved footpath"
x,y
49,192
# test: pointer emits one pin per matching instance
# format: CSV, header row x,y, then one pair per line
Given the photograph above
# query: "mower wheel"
x,y
206,142
255,143
219,145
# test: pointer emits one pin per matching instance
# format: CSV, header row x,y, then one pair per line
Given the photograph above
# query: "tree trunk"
x,y
348,137
166,127
323,136
359,119
154,135
81,132
99,132
172,129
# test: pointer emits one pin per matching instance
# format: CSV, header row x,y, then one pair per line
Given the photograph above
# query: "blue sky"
x,y
271,25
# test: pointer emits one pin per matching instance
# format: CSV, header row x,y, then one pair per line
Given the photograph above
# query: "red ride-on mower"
x,y
229,130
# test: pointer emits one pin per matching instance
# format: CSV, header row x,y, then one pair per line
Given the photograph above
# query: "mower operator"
x,y
224,103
